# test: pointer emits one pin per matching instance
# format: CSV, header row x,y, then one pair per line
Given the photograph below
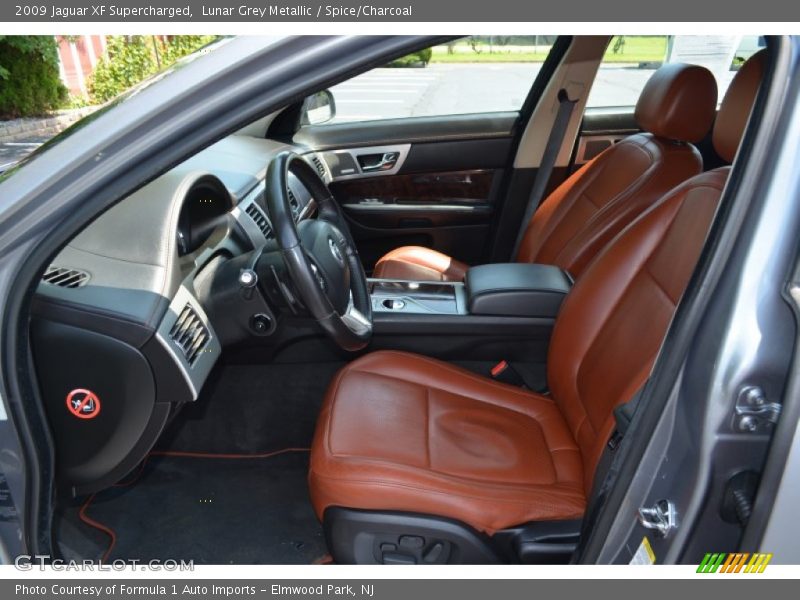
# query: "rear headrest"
x,y
678,103
736,106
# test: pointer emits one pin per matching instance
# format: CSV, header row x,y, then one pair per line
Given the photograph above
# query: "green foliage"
x,y
29,81
131,59
127,62
415,59
425,55
181,45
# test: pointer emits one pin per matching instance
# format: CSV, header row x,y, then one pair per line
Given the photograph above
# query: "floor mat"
x,y
215,510
212,511
251,409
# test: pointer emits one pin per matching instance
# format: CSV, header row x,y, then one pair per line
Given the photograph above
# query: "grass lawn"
x,y
636,49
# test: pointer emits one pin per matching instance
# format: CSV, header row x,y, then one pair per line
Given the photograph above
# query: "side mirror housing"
x,y
318,108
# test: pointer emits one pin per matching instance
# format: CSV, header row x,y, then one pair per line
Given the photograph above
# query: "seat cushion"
x,y
584,213
416,263
404,432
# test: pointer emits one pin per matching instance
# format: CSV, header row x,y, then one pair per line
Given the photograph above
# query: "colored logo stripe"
x,y
711,562
758,563
734,563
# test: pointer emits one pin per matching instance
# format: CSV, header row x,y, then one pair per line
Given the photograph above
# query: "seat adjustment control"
x,y
412,541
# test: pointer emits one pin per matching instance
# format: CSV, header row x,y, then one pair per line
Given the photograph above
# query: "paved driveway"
x,y
441,89
11,152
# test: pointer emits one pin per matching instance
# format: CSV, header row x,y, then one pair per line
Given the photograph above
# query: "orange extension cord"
x,y
179,454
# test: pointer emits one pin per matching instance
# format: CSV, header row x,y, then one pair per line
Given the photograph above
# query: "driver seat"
x,y
402,435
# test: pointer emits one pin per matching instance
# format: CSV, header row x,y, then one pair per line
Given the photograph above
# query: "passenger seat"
x,y
411,448
675,109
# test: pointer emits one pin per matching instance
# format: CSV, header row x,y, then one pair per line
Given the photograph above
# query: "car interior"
x,y
371,341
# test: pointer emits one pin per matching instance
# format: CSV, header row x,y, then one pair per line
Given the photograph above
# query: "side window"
x,y
477,74
629,61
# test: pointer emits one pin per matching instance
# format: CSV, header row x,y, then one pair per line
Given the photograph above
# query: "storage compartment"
x,y
516,290
100,398
418,297
516,307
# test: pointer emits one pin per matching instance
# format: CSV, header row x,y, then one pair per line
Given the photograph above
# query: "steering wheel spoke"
x,y
320,255
355,319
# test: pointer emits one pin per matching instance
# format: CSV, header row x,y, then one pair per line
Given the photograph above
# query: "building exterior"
x,y
78,56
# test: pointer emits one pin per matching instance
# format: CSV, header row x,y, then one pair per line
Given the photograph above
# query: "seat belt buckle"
x,y
505,373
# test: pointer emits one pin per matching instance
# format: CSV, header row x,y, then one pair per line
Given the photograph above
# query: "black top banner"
x,y
493,11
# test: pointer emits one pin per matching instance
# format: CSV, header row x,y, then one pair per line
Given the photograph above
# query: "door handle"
x,y
378,162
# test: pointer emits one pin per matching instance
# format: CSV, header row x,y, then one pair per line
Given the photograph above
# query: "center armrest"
x,y
516,289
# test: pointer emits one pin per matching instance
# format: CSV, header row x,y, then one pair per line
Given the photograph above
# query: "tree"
x,y
30,84
131,59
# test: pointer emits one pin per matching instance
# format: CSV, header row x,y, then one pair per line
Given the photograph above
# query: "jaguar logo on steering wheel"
x,y
337,254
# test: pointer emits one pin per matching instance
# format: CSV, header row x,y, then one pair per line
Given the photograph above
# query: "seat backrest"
x,y
585,212
613,322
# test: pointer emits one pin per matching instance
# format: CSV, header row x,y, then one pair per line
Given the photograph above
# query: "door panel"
x,y
408,130
417,181
438,210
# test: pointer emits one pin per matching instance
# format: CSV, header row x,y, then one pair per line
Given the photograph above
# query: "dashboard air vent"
x,y
190,334
318,164
254,212
293,203
64,277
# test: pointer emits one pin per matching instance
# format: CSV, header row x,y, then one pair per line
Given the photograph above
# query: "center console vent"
x,y
65,277
254,212
190,334
293,203
318,165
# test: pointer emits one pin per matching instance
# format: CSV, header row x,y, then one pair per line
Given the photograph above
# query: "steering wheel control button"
x,y
337,253
83,404
318,275
262,324
394,304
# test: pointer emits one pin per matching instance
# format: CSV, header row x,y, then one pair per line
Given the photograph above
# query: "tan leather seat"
x,y
585,212
400,432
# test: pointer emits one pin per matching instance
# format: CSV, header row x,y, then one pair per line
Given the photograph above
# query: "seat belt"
x,y
623,415
549,156
608,466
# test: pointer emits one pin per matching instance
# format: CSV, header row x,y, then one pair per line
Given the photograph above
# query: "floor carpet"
x,y
251,509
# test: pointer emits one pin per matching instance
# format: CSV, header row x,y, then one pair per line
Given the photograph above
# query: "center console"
x,y
418,297
504,310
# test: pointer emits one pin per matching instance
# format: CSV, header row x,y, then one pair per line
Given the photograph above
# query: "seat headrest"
x,y
736,106
678,103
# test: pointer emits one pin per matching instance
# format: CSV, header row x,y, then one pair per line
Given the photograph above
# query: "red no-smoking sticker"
x,y
83,404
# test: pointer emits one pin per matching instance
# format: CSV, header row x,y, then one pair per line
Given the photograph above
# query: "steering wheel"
x,y
320,255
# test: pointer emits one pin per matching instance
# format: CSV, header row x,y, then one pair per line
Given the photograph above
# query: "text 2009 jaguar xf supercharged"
x,y
247,319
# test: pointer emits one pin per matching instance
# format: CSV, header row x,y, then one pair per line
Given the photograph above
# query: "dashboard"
x,y
119,312
204,209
